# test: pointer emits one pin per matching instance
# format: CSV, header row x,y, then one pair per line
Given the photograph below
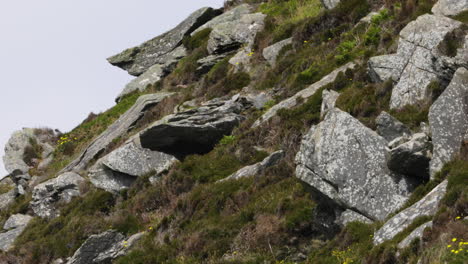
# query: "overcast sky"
x,y
53,68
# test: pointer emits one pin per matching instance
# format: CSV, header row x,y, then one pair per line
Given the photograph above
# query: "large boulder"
x,y
450,7
345,161
103,248
414,67
257,168
390,128
270,53
427,206
154,73
117,129
196,130
448,118
15,225
412,157
62,189
230,16
304,94
139,59
120,168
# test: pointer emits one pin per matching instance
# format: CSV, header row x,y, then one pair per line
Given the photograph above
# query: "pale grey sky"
x,y
53,68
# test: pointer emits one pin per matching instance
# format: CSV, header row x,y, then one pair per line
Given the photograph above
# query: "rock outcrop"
x,y
450,7
426,206
103,248
412,157
118,128
257,168
346,162
417,233
448,118
139,59
62,189
306,93
271,53
120,168
232,15
329,98
413,66
14,226
390,128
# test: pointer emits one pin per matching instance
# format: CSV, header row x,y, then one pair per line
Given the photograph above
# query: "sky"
x,y
53,68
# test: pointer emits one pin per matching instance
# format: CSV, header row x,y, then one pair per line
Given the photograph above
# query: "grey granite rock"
x,y
450,7
390,128
306,93
154,73
257,168
118,128
62,189
448,118
270,53
229,16
417,233
426,206
15,226
259,100
349,216
8,198
139,59
329,98
330,4
17,220
205,64
346,161
412,157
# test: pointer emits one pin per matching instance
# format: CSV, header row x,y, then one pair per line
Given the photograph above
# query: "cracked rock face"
x,y
230,16
139,59
15,225
47,194
120,168
448,118
257,168
196,130
426,206
413,67
450,7
390,128
346,161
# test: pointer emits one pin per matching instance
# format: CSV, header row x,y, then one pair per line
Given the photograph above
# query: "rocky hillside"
x,y
279,131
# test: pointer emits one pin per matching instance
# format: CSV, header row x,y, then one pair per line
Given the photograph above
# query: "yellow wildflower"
x,y
449,246
454,239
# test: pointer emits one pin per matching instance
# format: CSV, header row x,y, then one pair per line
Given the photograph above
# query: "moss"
x,y
199,39
462,17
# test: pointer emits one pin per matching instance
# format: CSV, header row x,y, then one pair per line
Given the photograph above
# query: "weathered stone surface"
x,y
329,98
448,118
346,161
450,7
196,130
330,4
259,100
413,67
412,157
139,59
205,64
103,248
7,198
154,73
47,194
426,206
118,128
349,216
120,168
15,226
306,93
270,53
417,233
242,60
257,168
229,16
231,35
390,128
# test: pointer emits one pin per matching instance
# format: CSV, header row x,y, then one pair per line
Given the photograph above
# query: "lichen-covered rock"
x,y
270,53
139,59
257,168
118,128
426,206
390,128
62,189
304,94
230,16
329,98
8,198
448,118
196,130
103,248
15,226
349,216
154,73
120,168
330,4
450,7
413,67
346,161
417,233
412,157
